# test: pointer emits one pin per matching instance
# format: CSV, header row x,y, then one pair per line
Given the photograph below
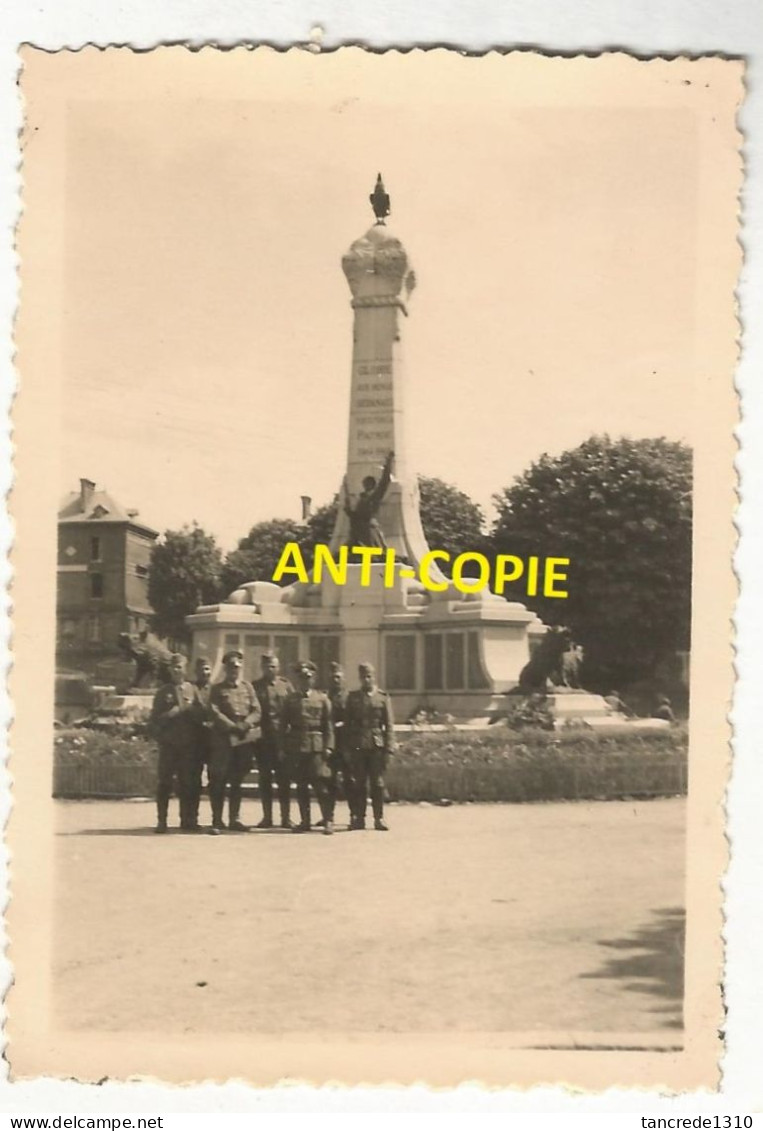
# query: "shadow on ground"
x,y
651,961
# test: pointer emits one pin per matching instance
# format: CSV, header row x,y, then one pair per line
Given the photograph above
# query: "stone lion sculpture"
x,y
151,658
545,665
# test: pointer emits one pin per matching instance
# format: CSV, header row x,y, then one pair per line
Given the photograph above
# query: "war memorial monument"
x,y
439,648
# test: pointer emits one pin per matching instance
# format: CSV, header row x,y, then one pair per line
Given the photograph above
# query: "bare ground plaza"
x,y
564,917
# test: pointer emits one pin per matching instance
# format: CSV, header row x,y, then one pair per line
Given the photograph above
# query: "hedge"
x,y
490,765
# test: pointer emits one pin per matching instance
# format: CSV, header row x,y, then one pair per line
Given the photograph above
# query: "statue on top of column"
x,y
379,199
364,526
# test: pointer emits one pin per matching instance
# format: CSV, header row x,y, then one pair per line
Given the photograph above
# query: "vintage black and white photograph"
x,y
381,411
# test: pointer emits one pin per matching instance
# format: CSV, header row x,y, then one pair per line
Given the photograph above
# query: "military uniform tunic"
x,y
309,742
308,732
340,765
236,715
369,738
172,721
272,698
171,715
269,751
204,725
236,711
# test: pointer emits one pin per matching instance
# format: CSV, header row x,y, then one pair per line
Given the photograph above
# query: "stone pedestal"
x,y
577,705
126,705
583,706
448,652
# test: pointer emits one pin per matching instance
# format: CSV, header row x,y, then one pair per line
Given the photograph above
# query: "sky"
x,y
207,322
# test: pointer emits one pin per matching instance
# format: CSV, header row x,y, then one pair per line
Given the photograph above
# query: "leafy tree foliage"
x,y
319,527
450,519
184,573
257,555
621,511
451,522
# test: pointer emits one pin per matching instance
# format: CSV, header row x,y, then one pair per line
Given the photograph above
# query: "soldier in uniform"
x,y
272,692
204,724
337,695
664,710
369,739
172,721
309,742
236,717
616,705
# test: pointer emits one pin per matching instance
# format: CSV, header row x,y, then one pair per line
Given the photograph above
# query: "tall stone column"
x,y
378,272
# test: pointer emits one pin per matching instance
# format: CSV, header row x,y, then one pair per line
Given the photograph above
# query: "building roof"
x,y
90,504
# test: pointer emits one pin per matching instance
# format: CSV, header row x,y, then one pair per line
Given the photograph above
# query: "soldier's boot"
x,y
348,792
284,802
189,811
217,801
329,805
266,796
185,800
162,808
195,802
325,801
377,804
234,808
303,797
194,799
320,793
359,806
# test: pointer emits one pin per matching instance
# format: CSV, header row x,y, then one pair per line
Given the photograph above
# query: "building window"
x,y
95,549
94,629
287,650
400,662
141,571
477,678
96,584
254,645
324,650
454,660
67,629
433,662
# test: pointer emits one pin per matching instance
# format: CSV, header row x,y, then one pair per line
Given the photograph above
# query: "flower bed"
x,y
79,747
537,765
491,765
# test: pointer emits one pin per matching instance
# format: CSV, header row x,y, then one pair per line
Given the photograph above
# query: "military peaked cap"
x,y
366,669
305,666
233,652
336,668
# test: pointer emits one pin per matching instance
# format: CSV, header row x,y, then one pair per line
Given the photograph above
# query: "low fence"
x,y
607,778
107,781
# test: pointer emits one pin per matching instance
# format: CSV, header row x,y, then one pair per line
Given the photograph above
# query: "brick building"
x,y
103,560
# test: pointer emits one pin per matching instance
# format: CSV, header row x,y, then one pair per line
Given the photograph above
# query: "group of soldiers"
x,y
303,737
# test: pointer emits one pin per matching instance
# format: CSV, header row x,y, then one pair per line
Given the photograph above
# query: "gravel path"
x,y
477,917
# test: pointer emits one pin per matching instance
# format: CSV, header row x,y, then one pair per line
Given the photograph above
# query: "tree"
x,y
184,572
319,526
450,519
620,510
257,555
